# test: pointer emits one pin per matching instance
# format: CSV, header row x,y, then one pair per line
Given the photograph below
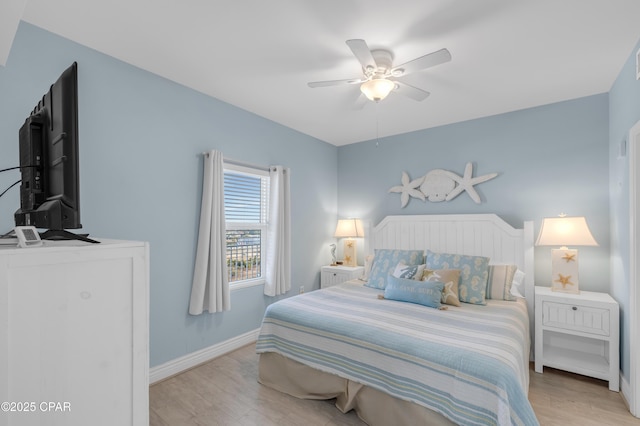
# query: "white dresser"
x,y
332,275
74,324
578,333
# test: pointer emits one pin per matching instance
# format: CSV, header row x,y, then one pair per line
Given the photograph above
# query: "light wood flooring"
x,y
225,391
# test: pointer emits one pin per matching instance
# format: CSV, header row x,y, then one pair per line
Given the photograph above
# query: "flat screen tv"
x,y
49,188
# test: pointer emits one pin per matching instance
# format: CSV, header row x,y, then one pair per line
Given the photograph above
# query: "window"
x,y
246,194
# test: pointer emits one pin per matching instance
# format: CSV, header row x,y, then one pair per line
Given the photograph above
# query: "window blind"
x,y
245,197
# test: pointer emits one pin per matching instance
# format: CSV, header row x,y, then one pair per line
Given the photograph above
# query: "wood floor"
x,y
225,391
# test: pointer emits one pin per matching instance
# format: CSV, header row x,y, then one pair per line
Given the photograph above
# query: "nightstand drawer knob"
x,y
575,308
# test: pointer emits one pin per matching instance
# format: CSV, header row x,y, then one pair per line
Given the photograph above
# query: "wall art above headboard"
x,y
440,185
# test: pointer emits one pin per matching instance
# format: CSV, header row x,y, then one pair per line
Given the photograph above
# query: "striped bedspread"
x,y
468,363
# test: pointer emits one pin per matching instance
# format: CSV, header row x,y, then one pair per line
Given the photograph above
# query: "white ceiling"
x,y
259,55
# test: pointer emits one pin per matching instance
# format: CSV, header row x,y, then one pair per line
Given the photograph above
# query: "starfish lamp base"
x,y
564,270
350,254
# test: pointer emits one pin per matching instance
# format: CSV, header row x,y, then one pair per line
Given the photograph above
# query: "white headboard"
x,y
471,234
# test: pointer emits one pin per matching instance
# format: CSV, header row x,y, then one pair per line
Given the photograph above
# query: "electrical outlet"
x,y
301,289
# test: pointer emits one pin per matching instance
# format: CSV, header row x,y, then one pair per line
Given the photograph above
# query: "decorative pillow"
x,y
403,270
449,278
385,261
474,271
420,292
499,282
517,286
368,261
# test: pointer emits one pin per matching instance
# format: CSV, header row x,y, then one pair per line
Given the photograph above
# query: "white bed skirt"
x,y
374,407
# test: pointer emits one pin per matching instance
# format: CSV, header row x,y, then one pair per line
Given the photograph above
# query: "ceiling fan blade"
x,y
363,53
427,61
360,102
334,82
410,91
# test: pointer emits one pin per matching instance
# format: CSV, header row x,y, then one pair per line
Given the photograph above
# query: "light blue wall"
x,y
140,140
624,112
141,135
550,159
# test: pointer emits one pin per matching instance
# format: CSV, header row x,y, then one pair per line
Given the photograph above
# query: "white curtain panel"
x,y
278,273
210,287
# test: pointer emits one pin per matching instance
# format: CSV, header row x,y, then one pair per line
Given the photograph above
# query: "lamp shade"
x,y
377,89
565,231
349,228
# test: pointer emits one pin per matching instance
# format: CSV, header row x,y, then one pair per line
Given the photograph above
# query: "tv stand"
x,y
61,234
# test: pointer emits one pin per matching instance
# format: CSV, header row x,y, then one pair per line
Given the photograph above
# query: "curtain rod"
x,y
241,163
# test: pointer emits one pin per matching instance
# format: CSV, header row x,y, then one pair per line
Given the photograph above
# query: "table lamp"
x,y
349,229
565,231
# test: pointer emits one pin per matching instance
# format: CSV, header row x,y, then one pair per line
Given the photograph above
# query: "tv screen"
x,y
49,190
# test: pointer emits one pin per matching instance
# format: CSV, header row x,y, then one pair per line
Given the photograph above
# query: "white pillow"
x,y
517,285
368,261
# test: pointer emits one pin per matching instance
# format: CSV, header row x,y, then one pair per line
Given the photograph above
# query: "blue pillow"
x,y
421,292
385,261
474,271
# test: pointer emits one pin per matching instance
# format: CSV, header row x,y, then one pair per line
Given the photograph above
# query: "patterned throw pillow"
x,y
500,281
403,270
474,271
412,291
448,277
384,262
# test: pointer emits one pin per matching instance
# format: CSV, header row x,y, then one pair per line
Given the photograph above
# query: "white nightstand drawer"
x,y
331,278
333,275
576,317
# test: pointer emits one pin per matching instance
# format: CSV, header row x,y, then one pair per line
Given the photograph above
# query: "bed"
x,y
406,363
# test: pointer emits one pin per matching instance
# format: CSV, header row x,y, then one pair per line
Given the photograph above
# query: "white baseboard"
x,y
178,365
625,390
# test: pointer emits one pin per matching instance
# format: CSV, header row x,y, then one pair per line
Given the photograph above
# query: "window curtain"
x,y
278,273
210,287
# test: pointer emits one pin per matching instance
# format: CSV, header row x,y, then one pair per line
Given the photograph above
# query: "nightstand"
x,y
578,333
332,275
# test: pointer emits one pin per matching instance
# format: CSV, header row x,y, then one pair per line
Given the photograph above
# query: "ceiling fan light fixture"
x,y
377,89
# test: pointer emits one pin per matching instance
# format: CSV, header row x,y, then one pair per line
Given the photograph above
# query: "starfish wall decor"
x,y
440,185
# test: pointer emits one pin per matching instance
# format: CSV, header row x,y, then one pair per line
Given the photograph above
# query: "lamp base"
x,y
350,254
564,270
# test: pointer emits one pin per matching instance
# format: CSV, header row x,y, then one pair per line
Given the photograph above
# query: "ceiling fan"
x,y
380,77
